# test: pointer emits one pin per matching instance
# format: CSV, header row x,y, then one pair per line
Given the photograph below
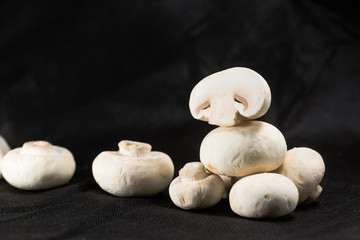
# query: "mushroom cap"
x,y
249,148
38,165
194,188
264,195
4,148
229,96
133,171
305,167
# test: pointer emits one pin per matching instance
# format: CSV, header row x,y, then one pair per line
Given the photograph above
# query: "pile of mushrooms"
x,y
242,159
261,178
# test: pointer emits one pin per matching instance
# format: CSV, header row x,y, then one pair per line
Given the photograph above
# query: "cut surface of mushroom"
x,y
195,188
133,171
227,97
249,148
4,148
264,195
38,165
306,168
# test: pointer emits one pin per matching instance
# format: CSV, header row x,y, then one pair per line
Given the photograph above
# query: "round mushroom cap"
x,y
249,148
38,165
264,195
195,188
227,97
305,167
133,171
4,148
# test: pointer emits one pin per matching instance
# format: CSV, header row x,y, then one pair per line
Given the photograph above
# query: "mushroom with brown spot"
x,y
227,97
249,148
195,188
38,165
133,171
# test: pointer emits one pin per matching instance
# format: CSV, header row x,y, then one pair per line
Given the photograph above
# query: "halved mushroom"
x,y
133,171
4,148
227,97
306,168
195,188
38,165
252,147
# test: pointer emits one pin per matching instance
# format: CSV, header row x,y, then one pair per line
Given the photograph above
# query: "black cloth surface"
x,y
82,211
86,75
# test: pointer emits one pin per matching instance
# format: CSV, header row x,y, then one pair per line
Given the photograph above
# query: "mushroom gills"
x,y
228,97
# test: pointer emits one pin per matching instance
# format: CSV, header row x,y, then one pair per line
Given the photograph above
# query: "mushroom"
x,y
133,171
229,182
195,188
249,148
227,97
306,168
264,195
38,165
4,148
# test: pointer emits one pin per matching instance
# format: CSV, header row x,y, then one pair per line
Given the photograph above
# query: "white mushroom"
x,y
133,171
4,148
38,165
195,188
227,97
249,148
306,168
264,195
229,182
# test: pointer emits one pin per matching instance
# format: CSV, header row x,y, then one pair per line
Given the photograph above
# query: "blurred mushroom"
x,y
306,168
264,195
195,188
227,97
4,148
38,165
249,148
133,171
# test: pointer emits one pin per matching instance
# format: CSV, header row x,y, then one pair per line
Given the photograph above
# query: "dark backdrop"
x,y
86,75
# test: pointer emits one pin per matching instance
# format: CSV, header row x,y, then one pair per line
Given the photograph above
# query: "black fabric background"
x,y
86,75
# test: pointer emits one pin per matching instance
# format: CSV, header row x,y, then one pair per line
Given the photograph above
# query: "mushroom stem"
x,y
134,149
193,171
222,110
34,147
33,144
